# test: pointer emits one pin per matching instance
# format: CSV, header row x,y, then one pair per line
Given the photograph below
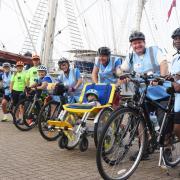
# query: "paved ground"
x,y
25,155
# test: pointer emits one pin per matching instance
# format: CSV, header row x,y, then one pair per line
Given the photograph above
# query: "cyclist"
x,y
6,77
175,69
144,59
18,82
32,74
43,79
105,66
71,78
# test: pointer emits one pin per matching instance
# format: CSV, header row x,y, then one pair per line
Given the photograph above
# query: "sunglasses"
x,y
18,66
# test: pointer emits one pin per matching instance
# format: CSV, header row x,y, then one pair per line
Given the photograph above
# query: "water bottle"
x,y
154,120
62,115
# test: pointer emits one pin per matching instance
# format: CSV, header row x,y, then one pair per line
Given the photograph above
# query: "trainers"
x,y
30,122
5,118
145,156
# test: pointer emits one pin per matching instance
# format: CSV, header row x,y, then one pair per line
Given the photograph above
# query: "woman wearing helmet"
x,y
144,59
32,74
71,78
105,66
43,79
6,77
18,82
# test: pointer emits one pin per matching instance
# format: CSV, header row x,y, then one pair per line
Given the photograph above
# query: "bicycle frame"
x,y
142,107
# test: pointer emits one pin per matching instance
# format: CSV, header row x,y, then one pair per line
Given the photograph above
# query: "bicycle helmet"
x,y
35,56
176,33
42,68
6,64
93,92
104,51
63,60
136,35
19,63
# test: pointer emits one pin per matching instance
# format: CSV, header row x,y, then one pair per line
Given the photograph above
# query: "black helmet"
x,y
136,35
63,60
176,33
104,51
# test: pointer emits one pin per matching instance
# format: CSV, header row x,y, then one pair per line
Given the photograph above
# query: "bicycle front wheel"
x,y
25,115
123,135
102,120
49,111
172,155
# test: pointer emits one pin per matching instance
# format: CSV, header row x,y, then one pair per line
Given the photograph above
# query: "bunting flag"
x,y
173,4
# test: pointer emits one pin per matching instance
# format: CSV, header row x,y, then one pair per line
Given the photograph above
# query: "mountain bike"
x,y
25,116
130,130
51,111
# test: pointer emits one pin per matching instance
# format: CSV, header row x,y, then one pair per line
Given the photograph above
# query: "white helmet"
x,y
42,68
6,64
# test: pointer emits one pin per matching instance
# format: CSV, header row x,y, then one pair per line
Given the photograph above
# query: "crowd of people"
x,y
106,69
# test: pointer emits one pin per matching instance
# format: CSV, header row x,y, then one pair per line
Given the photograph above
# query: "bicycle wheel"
x,y
123,135
49,111
102,120
172,155
74,134
25,115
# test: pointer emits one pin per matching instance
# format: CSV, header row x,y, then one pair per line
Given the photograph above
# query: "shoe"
x,y
145,156
30,122
5,118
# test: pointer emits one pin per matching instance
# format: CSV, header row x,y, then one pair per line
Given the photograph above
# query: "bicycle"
x,y
129,129
50,111
27,110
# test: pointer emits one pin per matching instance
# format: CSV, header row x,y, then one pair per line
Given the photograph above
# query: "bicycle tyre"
x,y
99,159
41,120
24,126
172,162
97,127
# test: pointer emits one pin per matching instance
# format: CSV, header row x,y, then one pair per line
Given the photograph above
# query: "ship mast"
x,y
112,27
47,46
138,15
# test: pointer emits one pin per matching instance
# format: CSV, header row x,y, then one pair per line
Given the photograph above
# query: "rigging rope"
x,y
83,12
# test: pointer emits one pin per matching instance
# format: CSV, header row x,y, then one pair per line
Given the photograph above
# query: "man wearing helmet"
x,y
43,79
144,59
175,70
18,82
71,78
5,77
105,66
32,74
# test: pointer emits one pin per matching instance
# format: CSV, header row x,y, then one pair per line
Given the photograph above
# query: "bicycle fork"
x,y
162,162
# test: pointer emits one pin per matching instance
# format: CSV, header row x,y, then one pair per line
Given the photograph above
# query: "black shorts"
x,y
6,97
16,96
177,118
